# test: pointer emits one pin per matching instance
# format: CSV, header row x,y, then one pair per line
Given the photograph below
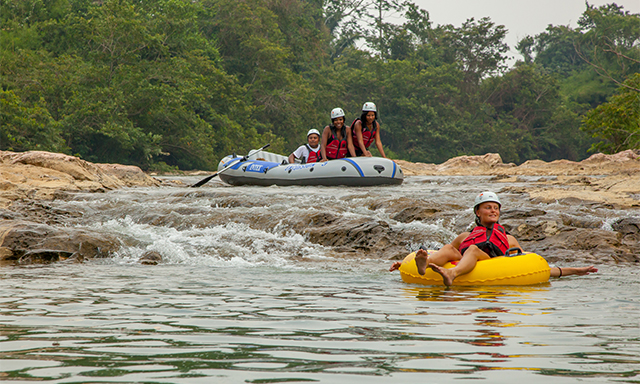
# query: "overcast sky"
x,y
520,17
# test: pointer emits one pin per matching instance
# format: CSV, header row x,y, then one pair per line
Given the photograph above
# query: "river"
x,y
273,285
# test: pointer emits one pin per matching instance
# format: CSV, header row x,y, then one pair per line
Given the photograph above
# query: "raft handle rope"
x,y
508,253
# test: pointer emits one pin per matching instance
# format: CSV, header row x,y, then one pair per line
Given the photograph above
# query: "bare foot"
x,y
422,260
395,265
447,274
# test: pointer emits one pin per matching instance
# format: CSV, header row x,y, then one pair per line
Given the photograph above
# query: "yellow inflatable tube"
x,y
525,269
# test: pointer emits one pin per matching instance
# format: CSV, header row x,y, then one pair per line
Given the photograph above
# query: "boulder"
x,y
150,258
372,238
44,175
410,214
30,242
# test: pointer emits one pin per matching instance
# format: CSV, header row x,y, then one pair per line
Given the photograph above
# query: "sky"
x,y
520,17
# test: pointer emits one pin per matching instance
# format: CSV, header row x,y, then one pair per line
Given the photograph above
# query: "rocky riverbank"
x,y
32,230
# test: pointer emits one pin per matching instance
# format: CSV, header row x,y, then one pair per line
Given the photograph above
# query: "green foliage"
x,y
168,84
616,123
27,127
138,84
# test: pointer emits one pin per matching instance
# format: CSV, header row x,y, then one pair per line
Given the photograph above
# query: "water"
x,y
255,288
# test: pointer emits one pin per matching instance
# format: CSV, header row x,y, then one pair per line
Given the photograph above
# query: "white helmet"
x,y
369,106
337,112
484,197
313,131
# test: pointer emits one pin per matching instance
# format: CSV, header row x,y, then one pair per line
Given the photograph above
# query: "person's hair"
x,y
363,118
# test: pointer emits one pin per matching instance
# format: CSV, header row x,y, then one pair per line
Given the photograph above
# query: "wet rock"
x,y
580,222
6,254
519,214
43,256
367,237
584,245
74,258
410,214
6,214
321,219
395,204
240,201
41,243
629,230
151,258
533,232
627,226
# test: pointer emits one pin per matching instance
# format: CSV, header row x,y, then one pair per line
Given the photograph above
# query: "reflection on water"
x,y
109,322
243,295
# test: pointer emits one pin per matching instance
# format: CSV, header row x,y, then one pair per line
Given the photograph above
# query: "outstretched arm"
x,y
568,271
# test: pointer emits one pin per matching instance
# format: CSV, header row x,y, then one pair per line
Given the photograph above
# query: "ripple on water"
x,y
244,296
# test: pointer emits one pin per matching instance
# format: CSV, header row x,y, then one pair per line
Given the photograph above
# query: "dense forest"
x,y
167,84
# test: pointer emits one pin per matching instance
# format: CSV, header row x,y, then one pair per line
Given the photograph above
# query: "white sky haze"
x,y
520,17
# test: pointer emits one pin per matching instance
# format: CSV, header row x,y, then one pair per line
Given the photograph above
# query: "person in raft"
x,y
488,239
364,130
310,152
336,138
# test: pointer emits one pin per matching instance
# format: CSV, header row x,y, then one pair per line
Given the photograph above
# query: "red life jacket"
x,y
493,241
337,149
314,156
367,136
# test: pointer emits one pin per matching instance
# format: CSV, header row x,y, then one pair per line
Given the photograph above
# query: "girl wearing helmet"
x,y
365,130
485,241
310,152
336,138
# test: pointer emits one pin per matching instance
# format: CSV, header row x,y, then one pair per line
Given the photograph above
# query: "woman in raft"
x,y
488,239
336,138
365,130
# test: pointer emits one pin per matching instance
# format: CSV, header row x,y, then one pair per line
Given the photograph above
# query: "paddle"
x,y
243,158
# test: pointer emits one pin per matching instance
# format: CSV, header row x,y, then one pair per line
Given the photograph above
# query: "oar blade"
x,y
206,179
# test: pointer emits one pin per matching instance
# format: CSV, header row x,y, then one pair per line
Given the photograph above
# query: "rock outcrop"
x,y
28,230
44,175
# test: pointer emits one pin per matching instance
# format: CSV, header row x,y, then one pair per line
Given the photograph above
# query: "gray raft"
x,y
266,168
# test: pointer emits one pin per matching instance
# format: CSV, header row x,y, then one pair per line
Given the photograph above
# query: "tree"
x,y
616,123
24,127
611,41
351,20
129,82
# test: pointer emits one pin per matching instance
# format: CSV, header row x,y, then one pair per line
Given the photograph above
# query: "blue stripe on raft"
x,y
355,165
394,169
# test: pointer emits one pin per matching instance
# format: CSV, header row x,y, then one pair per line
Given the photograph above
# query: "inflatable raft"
x,y
266,168
523,269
